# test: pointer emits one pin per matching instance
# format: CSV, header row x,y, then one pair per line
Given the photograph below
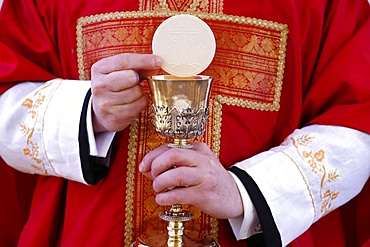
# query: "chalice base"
x,y
160,240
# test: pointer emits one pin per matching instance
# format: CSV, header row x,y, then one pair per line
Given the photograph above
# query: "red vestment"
x,y
39,42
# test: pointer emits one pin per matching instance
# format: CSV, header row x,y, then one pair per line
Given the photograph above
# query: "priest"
x,y
284,159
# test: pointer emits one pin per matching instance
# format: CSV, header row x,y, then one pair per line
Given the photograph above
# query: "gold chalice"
x,y
181,111
181,107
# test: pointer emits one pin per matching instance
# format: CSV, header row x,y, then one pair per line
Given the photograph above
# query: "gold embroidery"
x,y
130,182
207,6
32,148
316,162
247,69
215,123
180,6
249,62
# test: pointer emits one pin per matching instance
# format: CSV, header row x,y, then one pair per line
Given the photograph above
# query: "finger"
x,y
131,109
127,96
127,61
165,158
122,80
117,117
179,195
113,82
146,164
110,99
173,157
176,177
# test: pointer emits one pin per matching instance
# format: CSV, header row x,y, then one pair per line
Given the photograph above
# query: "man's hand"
x,y
117,96
195,177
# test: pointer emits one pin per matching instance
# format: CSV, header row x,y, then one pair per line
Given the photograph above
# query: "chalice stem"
x,y
175,232
176,217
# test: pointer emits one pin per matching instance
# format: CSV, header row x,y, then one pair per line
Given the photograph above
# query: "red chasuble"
x,y
278,66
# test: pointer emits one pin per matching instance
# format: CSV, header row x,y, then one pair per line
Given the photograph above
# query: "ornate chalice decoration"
x,y
181,107
187,46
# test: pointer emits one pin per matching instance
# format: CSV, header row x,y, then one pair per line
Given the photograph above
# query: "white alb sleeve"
x,y
40,126
314,171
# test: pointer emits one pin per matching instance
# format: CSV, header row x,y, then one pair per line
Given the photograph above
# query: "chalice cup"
x,y
181,110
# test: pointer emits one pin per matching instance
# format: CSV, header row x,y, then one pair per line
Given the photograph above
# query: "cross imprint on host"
x,y
184,42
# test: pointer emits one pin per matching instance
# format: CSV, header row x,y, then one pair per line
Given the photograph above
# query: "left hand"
x,y
198,179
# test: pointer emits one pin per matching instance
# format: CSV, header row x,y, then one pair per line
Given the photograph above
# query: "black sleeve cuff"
x,y
271,236
93,168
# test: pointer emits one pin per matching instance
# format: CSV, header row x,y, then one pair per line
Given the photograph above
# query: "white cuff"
x,y
248,224
99,143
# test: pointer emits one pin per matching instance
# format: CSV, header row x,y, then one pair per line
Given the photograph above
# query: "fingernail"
x,y
141,167
157,62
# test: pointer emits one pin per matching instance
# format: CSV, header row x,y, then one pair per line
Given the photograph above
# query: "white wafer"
x,y
186,45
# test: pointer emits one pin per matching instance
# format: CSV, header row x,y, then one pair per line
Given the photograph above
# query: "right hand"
x,y
196,177
117,96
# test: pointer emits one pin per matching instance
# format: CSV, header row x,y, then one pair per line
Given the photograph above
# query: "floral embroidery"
x,y
316,161
32,148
